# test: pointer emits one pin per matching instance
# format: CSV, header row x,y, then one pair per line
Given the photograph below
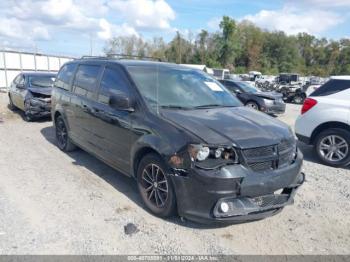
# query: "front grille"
x,y
260,151
285,145
269,157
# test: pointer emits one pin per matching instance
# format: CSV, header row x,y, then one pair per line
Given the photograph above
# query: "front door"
x,y
113,126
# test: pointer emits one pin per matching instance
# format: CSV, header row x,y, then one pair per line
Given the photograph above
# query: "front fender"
x,y
148,143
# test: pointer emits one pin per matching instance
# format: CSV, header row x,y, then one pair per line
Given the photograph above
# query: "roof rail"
x,y
122,56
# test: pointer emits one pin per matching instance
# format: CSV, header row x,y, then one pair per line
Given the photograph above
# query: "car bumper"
x,y
249,195
39,108
276,108
304,139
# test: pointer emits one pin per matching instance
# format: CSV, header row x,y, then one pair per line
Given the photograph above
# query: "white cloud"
x,y
214,23
292,19
145,14
37,20
108,30
321,3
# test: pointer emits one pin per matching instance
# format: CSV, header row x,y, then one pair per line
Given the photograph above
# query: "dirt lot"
x,y
57,203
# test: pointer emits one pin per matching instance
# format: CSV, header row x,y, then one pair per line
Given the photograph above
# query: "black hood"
x,y
269,95
240,126
40,90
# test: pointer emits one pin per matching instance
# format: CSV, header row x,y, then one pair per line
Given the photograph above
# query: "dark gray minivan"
x,y
192,147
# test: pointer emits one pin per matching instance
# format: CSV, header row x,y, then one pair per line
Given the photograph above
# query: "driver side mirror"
x,y
121,102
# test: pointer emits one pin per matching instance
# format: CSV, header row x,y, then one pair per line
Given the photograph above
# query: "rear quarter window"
x,y
64,76
331,87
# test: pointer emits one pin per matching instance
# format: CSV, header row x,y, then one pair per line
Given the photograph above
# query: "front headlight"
x,y
203,152
198,152
268,102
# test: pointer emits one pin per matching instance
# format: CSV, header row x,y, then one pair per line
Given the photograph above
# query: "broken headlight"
x,y
212,156
204,156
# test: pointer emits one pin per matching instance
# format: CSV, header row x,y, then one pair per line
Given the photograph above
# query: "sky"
x,y
74,27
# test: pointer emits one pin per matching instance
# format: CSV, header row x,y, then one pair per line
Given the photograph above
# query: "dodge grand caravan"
x,y
192,147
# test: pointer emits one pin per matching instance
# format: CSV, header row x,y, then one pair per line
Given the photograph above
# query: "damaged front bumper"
x,y
247,195
39,107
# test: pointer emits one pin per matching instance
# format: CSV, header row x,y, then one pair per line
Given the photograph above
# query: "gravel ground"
x,y
57,203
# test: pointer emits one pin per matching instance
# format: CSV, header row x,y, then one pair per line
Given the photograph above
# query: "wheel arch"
x,y
328,125
139,154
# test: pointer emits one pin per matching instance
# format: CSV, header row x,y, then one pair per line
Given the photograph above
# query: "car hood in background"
x,y
269,95
240,126
40,90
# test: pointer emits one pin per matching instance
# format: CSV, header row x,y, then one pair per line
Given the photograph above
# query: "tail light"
x,y
308,104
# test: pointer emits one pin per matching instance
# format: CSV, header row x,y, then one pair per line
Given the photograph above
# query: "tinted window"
x,y
113,82
331,87
64,76
86,79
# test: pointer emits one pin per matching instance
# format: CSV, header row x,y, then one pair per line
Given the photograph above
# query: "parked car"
x,y
221,73
268,102
325,121
31,93
295,93
187,141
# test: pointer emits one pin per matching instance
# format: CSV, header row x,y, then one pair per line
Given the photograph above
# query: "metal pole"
x,y
5,69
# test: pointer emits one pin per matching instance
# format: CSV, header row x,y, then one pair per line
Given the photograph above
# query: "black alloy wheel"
x,y
155,186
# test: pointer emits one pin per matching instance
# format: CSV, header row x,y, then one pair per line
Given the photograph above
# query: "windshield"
x,y
247,88
41,81
176,87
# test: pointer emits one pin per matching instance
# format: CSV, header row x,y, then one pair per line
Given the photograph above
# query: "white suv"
x,y
325,121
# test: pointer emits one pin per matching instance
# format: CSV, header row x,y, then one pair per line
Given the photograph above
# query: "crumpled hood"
x,y
240,126
271,95
40,90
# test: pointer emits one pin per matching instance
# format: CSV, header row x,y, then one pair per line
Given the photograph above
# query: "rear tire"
x,y
332,147
155,186
63,141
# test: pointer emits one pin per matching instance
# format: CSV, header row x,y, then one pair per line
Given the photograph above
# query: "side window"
x,y
21,80
64,76
113,82
15,81
232,87
331,87
86,79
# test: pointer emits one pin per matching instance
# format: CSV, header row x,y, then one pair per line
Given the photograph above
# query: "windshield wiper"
x,y
175,107
212,105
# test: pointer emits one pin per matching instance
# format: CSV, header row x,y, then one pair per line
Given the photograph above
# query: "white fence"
x,y
13,62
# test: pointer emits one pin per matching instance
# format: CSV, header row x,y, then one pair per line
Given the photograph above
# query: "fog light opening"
x,y
224,207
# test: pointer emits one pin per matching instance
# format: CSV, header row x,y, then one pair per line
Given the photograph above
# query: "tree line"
x,y
243,47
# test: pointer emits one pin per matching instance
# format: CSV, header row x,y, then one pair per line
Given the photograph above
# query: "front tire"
x,y
63,141
11,105
27,116
299,99
253,105
333,147
155,186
